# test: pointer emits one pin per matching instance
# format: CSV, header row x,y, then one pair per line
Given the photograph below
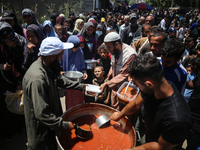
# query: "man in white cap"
x,y
42,107
121,56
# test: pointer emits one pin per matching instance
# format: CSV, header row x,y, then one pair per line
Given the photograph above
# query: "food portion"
x,y
109,138
91,93
130,94
85,127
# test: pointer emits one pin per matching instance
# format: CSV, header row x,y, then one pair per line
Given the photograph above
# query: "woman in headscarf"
x,y
88,33
61,21
73,59
35,37
11,59
69,25
48,29
29,17
85,48
53,19
9,17
78,26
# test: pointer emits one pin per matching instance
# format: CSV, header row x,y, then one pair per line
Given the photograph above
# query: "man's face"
x,y
168,62
156,44
133,21
112,48
28,19
146,31
150,20
55,65
126,21
143,86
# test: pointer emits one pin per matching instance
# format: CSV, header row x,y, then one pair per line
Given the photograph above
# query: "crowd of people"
x,y
158,50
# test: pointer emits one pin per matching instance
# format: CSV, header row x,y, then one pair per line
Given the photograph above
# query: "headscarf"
x,y
60,20
40,36
73,60
52,32
53,19
83,31
69,20
29,12
77,24
5,29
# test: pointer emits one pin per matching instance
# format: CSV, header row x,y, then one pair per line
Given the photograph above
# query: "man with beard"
x,y
121,56
168,118
42,107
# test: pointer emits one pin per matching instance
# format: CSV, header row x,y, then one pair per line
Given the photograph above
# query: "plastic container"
x,y
92,90
128,97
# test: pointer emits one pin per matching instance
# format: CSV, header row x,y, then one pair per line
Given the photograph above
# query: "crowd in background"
x,y
173,36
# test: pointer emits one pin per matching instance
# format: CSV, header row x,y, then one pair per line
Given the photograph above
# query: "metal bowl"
x,y
90,63
74,75
102,121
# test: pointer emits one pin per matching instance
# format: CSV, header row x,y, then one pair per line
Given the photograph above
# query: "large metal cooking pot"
x,y
74,75
90,63
94,109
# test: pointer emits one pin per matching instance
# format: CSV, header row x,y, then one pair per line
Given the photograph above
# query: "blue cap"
x,y
172,29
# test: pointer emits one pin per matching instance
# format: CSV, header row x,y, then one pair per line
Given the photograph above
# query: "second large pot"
x,y
74,75
90,63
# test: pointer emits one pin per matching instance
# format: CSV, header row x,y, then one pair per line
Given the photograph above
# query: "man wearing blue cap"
x,y
172,33
42,107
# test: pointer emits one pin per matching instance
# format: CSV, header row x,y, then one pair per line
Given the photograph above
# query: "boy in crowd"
x,y
99,79
195,68
193,141
173,71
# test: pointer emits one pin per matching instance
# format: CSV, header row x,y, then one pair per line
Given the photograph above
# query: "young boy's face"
x,y
168,62
98,72
189,70
103,54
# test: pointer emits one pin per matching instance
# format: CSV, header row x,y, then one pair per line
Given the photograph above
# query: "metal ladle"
x,y
82,133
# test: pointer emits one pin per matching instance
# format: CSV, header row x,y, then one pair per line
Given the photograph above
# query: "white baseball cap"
x,y
53,46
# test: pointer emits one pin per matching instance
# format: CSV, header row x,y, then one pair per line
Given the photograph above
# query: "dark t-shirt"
x,y
194,103
169,117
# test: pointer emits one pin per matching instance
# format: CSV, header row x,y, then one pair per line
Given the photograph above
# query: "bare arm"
x,y
189,85
129,109
160,145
